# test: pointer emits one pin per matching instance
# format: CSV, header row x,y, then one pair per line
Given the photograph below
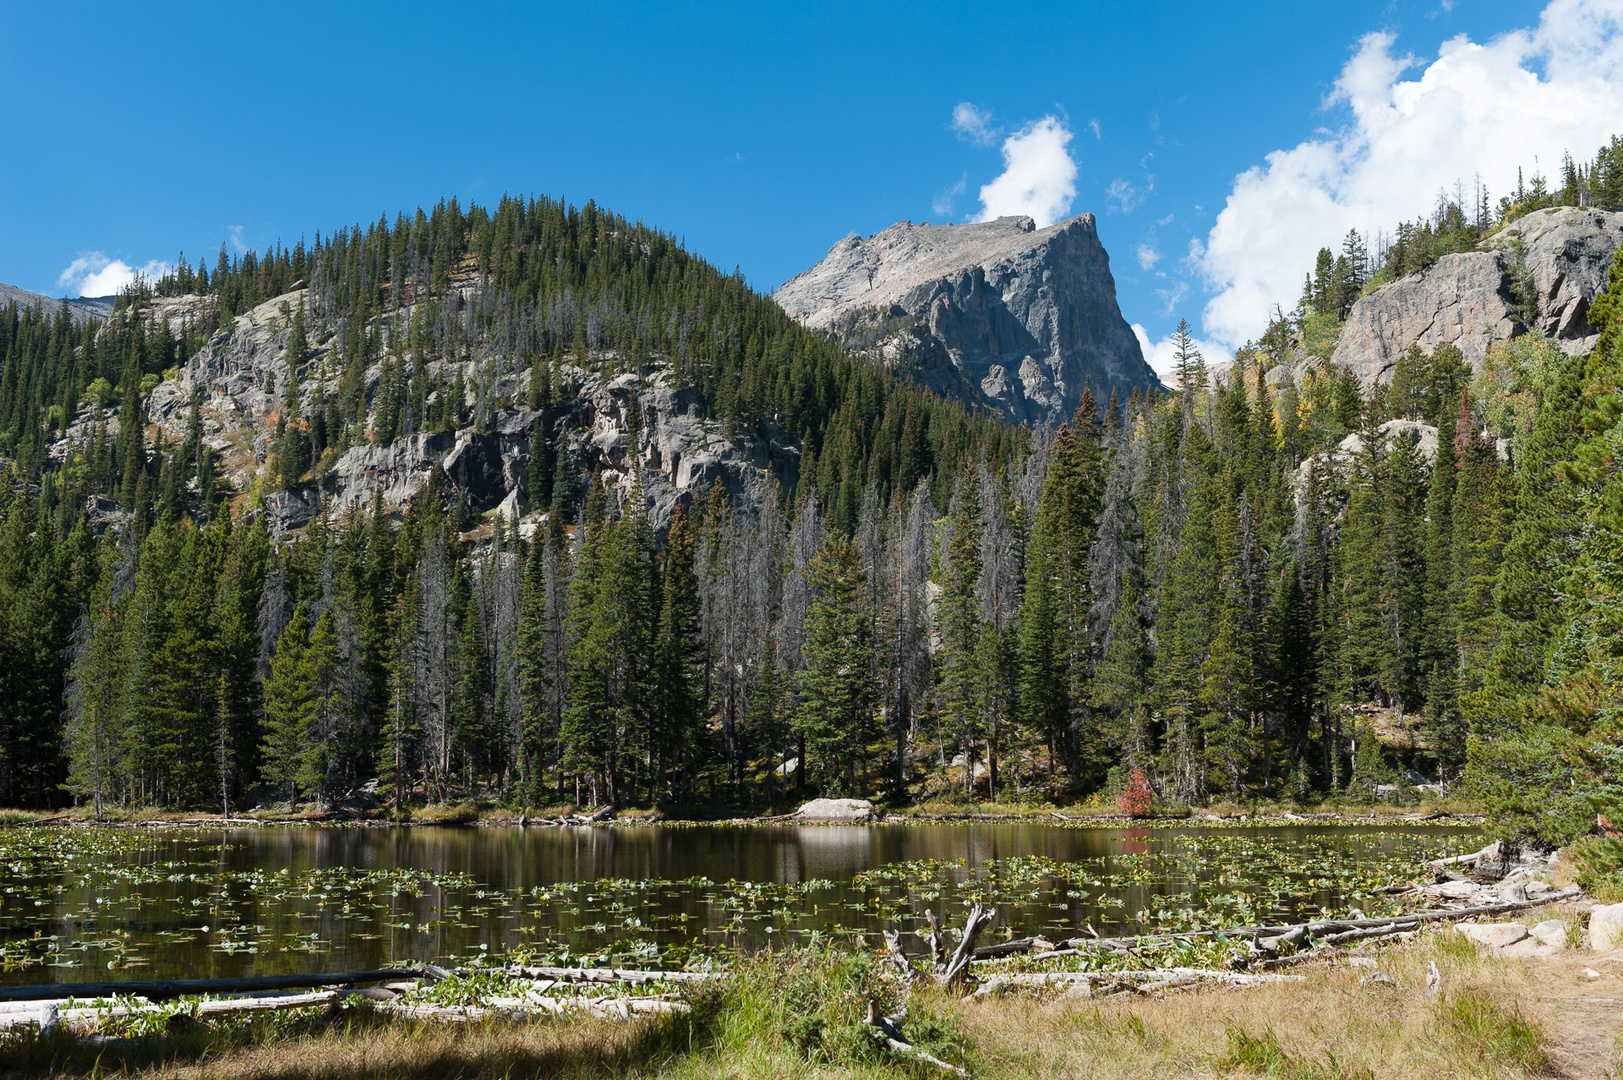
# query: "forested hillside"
x,y
1229,585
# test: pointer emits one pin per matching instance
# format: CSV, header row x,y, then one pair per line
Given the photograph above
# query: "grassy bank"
x,y
802,1015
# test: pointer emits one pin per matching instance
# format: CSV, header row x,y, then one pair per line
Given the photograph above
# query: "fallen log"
x,y
1318,928
1367,932
79,1013
525,1008
609,975
1148,981
1148,975
157,990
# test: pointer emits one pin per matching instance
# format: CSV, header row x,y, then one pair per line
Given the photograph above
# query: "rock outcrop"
x,y
1566,252
1000,314
1473,299
629,428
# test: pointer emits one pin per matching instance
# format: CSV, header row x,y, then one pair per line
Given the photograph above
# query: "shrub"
x,y
1137,799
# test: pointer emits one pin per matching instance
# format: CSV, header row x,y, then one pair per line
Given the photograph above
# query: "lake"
x,y
100,904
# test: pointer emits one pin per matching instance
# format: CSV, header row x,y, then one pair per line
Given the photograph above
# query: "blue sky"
x,y
763,133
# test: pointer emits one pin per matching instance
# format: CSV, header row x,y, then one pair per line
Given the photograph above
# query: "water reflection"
x,y
268,900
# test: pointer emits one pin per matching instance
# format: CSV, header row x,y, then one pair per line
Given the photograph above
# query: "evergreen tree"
x,y
290,702
836,687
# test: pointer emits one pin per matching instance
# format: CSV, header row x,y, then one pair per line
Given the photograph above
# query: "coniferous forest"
x,y
1240,584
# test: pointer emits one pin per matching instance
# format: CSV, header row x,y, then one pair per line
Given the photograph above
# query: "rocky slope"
x,y
485,464
1000,314
82,308
1472,300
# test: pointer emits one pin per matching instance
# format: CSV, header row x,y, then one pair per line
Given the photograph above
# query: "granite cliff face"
x,y
1554,260
999,314
605,426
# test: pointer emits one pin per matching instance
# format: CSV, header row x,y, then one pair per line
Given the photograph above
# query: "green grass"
x,y
1493,1033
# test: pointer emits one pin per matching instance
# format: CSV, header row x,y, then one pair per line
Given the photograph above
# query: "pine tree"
x,y
678,656
289,708
836,687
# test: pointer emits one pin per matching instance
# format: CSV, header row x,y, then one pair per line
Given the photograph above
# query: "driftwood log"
x,y
71,1012
1149,981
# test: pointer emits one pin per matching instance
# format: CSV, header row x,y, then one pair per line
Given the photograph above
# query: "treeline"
x,y
1213,584
1198,583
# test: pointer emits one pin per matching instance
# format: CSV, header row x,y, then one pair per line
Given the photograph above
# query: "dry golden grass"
x,y
1494,1018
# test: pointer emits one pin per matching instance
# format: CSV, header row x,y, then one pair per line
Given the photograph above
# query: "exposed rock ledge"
x,y
1469,300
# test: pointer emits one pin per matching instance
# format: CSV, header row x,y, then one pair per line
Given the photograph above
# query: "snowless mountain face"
x,y
1000,314
1539,273
82,308
627,429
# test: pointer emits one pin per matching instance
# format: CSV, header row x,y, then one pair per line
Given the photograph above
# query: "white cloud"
x,y
974,124
1147,256
1098,132
1159,353
942,204
1172,296
1478,109
1039,175
235,232
94,274
1127,196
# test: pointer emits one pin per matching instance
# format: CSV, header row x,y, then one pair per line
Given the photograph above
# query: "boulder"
x,y
999,314
1606,927
837,810
1551,932
1457,890
1493,935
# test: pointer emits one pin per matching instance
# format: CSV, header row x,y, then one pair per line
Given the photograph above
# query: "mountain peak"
x,y
999,313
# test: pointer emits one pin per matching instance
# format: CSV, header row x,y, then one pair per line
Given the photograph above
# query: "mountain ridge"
x,y
999,314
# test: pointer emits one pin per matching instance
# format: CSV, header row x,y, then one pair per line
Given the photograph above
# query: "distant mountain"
x,y
83,307
1001,314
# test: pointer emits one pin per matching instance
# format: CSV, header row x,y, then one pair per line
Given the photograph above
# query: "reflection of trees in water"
x,y
147,887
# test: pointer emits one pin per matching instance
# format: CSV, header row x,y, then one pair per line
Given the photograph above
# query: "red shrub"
x,y
1136,800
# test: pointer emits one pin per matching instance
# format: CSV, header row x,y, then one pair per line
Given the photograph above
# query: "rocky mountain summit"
x,y
1540,272
1000,314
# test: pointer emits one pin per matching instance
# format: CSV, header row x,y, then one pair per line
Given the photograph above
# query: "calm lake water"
x,y
80,904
